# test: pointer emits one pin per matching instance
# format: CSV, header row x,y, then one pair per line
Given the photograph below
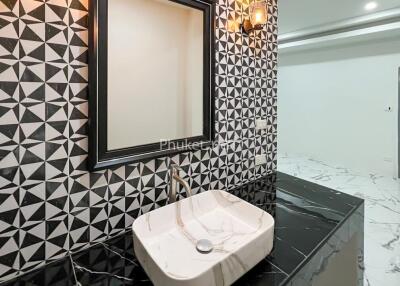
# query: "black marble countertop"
x,y
306,217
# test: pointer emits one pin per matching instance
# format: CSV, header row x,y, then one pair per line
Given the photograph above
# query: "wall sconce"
x,y
258,17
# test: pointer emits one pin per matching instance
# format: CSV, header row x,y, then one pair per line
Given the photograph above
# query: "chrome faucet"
x,y
174,180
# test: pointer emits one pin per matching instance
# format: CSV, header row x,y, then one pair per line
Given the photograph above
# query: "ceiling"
x,y
296,15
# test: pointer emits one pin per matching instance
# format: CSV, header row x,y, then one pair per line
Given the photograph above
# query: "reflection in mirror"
x,y
155,72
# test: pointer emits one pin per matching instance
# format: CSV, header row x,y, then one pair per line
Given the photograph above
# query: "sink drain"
x,y
204,246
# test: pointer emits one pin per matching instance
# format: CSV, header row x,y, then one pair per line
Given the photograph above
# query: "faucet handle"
x,y
175,167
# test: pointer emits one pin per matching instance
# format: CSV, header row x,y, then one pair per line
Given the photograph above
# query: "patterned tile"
x,y
49,203
79,211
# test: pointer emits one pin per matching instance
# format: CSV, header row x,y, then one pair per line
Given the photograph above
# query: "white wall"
x,y
331,105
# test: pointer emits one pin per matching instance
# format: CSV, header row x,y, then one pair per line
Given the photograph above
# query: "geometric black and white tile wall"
x,y
49,203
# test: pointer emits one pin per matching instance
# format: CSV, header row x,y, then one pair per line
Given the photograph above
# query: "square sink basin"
x,y
212,238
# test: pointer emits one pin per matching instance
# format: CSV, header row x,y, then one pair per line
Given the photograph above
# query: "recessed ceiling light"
x,y
370,6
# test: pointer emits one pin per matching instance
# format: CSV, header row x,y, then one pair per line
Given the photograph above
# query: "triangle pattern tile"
x,y
79,211
50,203
57,209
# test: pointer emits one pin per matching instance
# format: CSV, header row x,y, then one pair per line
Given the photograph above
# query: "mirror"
x,y
151,75
163,72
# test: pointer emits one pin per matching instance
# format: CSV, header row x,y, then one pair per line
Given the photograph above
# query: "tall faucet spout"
x,y
174,180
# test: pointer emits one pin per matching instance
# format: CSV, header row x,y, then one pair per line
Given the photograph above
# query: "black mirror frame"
x,y
99,155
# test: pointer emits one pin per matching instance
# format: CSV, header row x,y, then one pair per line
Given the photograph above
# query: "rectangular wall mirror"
x,y
151,79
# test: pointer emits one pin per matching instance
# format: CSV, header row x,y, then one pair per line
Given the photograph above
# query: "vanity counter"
x,y
312,225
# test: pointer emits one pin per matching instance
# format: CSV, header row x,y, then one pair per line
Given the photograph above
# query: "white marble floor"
x,y
382,212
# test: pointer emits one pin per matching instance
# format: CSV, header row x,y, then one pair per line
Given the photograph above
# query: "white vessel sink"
x,y
165,240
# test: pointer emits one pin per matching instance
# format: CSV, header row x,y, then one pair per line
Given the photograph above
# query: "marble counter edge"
x,y
288,281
